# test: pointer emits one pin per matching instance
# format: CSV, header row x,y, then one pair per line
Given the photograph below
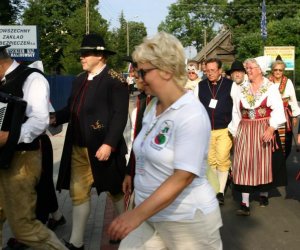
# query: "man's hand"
x,y
52,118
103,152
3,137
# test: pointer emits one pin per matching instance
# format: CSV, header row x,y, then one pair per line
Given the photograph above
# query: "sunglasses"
x,y
142,72
280,70
191,73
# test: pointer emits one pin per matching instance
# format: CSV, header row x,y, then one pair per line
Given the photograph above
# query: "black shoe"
x,y
263,201
243,211
72,247
13,243
114,242
53,224
220,197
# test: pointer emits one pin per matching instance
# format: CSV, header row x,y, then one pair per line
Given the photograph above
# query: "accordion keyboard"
x,y
3,107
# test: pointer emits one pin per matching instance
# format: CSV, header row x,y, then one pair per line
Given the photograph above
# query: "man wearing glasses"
x,y
214,93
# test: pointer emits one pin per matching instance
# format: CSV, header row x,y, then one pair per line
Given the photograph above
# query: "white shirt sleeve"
x,y
275,103
36,94
196,91
236,114
290,92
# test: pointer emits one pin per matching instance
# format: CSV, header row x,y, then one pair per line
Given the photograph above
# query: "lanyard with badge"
x,y
213,101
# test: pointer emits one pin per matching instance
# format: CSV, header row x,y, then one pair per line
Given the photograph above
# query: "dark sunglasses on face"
x,y
142,72
191,73
280,70
90,53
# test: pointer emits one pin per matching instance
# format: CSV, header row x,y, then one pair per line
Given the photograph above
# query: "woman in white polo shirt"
x,y
176,207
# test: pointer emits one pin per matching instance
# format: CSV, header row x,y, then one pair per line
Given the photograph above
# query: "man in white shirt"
x,y
17,183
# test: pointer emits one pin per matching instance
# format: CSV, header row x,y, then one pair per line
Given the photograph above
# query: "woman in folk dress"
x,y
291,108
258,158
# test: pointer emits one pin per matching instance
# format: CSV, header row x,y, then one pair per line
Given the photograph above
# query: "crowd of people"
x,y
194,128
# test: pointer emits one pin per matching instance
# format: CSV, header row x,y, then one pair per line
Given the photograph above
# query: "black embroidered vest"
x,y
13,85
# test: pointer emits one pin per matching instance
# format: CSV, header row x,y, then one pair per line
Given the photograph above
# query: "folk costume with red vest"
x,y
257,166
291,109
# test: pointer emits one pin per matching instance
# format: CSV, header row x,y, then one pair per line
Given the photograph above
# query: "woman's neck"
x,y
166,100
276,79
256,83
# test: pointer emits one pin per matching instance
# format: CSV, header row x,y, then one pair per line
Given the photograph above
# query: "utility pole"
x,y
87,17
204,44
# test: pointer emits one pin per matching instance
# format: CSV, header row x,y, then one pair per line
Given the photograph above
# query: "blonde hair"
x,y
165,52
278,62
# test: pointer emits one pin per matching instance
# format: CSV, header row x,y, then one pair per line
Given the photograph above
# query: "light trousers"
x,y
219,150
18,201
201,233
82,178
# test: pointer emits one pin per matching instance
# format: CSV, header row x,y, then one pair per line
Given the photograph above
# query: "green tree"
x,y
243,18
61,26
76,31
118,38
10,11
188,19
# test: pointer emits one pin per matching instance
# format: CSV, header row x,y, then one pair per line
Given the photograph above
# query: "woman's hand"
x,y
162,197
268,135
294,121
123,225
103,152
127,184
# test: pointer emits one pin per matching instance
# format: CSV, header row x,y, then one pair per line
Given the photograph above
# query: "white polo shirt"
x,y
176,139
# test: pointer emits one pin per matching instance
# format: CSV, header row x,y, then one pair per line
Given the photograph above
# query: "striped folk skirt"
x,y
257,166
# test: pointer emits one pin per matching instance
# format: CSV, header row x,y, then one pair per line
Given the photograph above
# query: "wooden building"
x,y
221,47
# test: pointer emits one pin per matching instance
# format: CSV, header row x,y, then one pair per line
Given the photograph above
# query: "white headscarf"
x,y
264,63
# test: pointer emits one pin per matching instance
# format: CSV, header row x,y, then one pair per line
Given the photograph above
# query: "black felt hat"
x,y
94,43
236,66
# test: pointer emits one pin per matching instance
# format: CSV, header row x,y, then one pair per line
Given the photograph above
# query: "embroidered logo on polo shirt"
x,y
163,136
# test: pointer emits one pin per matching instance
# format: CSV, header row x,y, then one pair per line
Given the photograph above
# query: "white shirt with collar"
x,y
176,139
36,94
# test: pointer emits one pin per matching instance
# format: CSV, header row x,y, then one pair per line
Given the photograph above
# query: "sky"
x,y
150,12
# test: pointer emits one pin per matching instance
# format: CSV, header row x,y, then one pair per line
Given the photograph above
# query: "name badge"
x,y
140,165
213,103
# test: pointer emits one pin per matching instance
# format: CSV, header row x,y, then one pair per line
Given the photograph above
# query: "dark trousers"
x,y
46,195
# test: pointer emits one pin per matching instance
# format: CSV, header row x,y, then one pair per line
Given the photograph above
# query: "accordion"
x,y
12,115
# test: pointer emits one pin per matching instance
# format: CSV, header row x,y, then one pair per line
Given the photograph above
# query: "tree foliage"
x,y
10,11
61,26
243,18
136,33
188,19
